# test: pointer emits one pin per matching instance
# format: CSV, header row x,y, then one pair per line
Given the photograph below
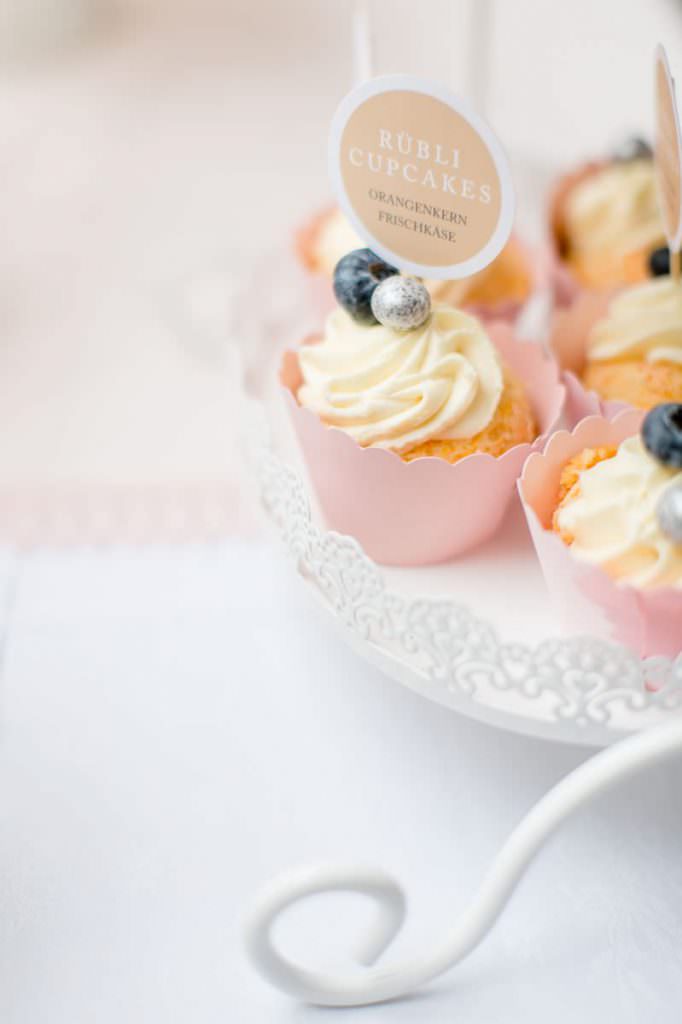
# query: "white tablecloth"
x,y
178,725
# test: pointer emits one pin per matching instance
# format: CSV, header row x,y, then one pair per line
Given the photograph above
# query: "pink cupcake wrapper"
x,y
587,600
427,510
569,331
565,286
511,310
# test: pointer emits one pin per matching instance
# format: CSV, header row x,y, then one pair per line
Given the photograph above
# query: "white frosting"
x,y
396,389
616,207
643,323
613,518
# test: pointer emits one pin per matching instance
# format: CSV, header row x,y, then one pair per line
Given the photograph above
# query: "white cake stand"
x,y
476,636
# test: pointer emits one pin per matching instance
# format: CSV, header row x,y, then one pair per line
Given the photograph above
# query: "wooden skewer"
x,y
675,264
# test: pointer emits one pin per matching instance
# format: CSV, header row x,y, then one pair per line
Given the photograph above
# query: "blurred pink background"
x,y
152,151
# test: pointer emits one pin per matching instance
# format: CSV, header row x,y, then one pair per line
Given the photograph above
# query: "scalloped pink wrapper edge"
x,y
569,331
587,600
321,293
427,510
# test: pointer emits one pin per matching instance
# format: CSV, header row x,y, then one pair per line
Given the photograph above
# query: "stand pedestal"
x,y
380,983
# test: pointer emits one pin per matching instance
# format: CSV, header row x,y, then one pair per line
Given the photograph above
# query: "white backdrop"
x,y
183,141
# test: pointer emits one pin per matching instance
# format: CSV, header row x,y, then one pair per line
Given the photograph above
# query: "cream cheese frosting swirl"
x,y
642,323
396,389
613,518
616,207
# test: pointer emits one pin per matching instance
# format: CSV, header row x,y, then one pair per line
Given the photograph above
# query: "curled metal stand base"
x,y
379,983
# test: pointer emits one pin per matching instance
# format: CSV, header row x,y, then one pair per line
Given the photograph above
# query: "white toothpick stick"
x,y
481,31
362,42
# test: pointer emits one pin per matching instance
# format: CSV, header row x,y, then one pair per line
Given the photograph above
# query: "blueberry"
x,y
662,434
356,275
632,149
659,261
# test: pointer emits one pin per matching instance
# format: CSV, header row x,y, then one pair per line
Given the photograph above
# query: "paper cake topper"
x,y
421,177
668,152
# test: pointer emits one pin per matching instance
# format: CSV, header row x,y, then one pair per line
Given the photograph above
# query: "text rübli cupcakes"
x,y
415,418
604,507
605,224
499,291
621,349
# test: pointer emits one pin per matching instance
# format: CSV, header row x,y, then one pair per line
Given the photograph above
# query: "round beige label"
x,y
423,180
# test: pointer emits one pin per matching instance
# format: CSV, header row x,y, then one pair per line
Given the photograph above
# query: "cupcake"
x,y
605,509
414,418
623,349
620,507
499,290
605,221
634,354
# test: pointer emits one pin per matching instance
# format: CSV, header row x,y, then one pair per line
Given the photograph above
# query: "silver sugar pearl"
x,y
401,302
669,512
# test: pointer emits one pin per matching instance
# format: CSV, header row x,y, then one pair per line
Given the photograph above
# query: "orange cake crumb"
x,y
642,384
569,482
512,424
